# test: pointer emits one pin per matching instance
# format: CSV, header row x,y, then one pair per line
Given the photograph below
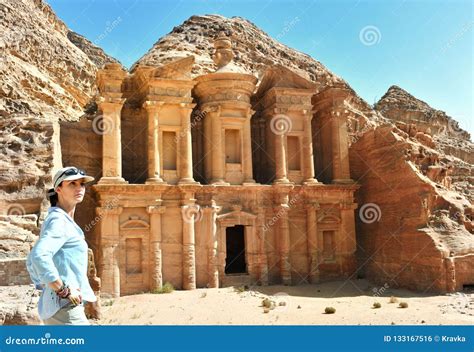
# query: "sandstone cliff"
x,y
48,75
402,147
435,129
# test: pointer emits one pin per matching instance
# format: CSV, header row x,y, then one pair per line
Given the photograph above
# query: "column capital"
x,y
213,209
104,211
156,209
345,205
153,105
187,106
313,206
210,109
107,104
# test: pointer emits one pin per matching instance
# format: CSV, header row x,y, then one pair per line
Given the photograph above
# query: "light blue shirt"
x,y
60,252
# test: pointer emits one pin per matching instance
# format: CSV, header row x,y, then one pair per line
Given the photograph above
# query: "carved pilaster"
x,y
156,272
189,211
210,217
154,167
313,247
109,243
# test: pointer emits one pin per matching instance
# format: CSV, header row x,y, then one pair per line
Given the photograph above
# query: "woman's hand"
x,y
75,296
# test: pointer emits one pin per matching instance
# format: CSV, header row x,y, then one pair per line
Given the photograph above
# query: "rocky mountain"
x,y
402,150
434,128
47,75
254,50
93,52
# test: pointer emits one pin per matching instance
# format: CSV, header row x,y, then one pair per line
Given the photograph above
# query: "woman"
x,y
58,261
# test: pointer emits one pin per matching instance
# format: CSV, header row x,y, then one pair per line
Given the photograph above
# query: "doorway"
x,y
235,262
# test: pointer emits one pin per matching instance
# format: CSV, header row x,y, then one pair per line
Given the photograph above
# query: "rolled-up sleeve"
x,y
40,260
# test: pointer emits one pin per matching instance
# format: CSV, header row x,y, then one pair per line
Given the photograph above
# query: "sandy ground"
x,y
303,305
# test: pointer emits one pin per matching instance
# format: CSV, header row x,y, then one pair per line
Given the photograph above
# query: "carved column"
x,y
313,248
308,148
110,244
247,147
340,149
280,159
156,272
263,261
282,210
189,210
217,147
347,240
210,218
285,266
154,167
185,148
252,252
111,140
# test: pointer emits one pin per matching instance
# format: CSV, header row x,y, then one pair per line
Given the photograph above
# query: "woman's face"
x,y
72,191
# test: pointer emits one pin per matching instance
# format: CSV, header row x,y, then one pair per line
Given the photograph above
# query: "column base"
x,y
154,180
343,181
219,182
250,182
187,181
107,180
311,181
281,180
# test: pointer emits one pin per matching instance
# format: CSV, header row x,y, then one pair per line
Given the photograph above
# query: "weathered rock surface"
x,y
93,52
413,230
46,78
19,305
413,161
434,129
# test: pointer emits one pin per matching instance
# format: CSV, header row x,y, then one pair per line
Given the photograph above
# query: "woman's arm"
x,y
50,241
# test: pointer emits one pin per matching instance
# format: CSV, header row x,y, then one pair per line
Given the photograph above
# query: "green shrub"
x,y
403,305
330,310
166,288
268,303
377,305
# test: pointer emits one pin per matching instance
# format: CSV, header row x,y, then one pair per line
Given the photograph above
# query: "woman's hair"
x,y
53,196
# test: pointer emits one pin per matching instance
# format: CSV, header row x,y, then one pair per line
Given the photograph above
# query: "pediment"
x,y
134,224
278,76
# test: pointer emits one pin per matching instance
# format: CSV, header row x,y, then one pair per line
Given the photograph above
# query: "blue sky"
x,y
425,47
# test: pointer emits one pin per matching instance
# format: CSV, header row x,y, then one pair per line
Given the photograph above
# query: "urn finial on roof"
x,y
223,54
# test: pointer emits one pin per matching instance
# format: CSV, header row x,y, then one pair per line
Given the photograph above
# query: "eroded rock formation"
x,y
412,161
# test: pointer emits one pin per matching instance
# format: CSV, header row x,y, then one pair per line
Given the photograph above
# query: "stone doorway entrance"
x,y
235,262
